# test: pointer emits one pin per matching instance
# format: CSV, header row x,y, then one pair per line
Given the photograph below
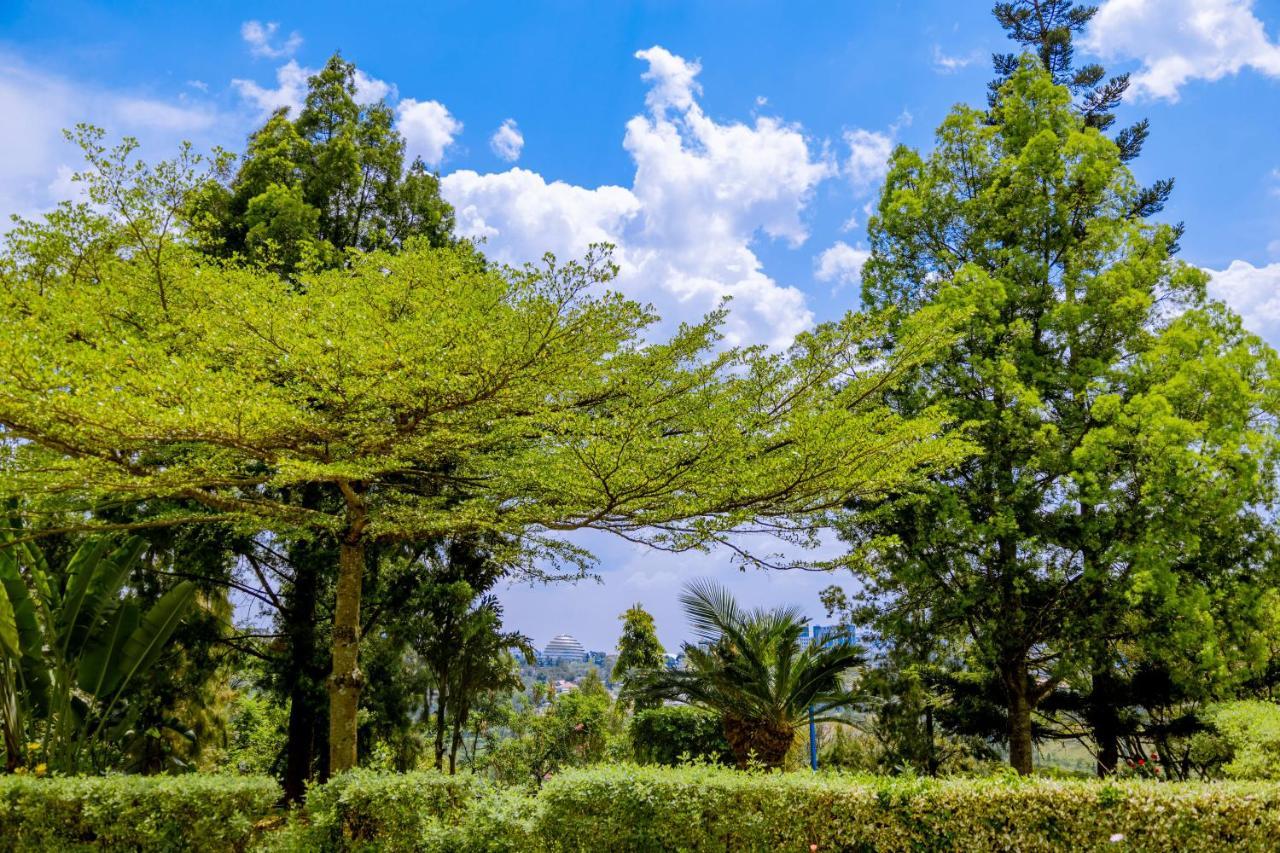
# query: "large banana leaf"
x,y
147,640
100,665
84,564
8,629
106,577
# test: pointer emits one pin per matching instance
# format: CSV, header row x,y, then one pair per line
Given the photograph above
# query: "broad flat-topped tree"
x,y
436,394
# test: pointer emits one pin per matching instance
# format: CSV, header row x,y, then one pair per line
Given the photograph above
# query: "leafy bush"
x,y
702,808
398,811
214,813
665,735
1245,739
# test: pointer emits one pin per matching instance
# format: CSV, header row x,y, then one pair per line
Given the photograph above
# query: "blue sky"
x,y
728,149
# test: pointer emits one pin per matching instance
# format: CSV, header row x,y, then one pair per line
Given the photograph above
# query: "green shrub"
x,y
666,735
702,808
1247,735
192,812
394,811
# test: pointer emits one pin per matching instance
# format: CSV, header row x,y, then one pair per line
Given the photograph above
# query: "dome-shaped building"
x,y
564,647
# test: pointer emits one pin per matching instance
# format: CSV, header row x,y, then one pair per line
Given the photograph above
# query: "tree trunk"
x,y
299,620
755,740
1104,721
1020,744
346,679
441,698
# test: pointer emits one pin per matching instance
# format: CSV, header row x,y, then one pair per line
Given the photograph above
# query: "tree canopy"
x,y
1123,418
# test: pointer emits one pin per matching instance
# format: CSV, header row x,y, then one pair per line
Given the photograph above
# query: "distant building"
x,y
564,648
597,658
826,635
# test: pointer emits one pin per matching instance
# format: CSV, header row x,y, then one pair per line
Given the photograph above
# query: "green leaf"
x,y
8,627
148,639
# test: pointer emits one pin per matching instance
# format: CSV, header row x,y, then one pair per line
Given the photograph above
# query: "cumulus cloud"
x,y
868,160
507,141
291,89
259,37
1182,40
428,129
702,192
1254,293
841,264
673,80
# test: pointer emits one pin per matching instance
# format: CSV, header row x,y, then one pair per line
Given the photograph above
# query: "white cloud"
x,y
428,129
673,80
507,141
144,112
946,64
34,157
259,36
841,264
1182,40
684,229
370,90
868,160
291,89
1254,293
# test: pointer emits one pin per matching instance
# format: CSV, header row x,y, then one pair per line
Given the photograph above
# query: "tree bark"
x,y
1104,721
1020,744
346,680
300,618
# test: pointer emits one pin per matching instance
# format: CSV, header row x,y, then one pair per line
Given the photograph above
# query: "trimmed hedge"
x,y
631,808
198,813
651,809
363,810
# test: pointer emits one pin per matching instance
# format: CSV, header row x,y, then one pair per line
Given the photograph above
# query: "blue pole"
x,y
813,741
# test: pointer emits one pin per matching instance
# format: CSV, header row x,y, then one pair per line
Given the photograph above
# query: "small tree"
x,y
639,652
750,668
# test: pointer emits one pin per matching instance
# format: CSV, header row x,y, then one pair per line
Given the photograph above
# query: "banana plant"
x,y
73,647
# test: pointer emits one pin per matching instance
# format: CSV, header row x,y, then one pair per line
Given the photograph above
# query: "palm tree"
x,y
750,667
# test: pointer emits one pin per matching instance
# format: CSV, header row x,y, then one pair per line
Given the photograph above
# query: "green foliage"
x,y
122,813
1246,741
424,392
311,187
624,807
256,728
579,728
671,734
629,808
1127,463
76,650
749,668
639,651
396,810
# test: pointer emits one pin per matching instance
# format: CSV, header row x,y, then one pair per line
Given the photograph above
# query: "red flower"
x,y
1155,757
1141,761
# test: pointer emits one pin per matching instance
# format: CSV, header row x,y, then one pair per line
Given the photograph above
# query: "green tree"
x,y
308,189
426,393
311,187
639,651
750,668
1122,418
